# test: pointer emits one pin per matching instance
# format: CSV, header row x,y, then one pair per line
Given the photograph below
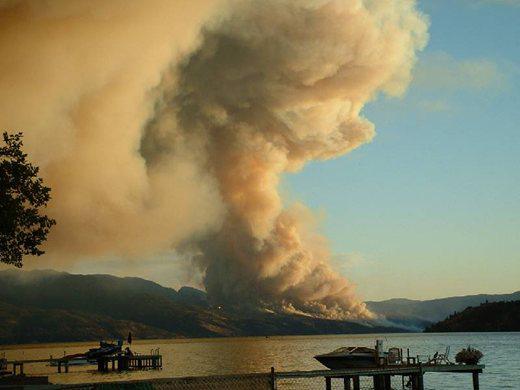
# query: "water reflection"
x,y
192,357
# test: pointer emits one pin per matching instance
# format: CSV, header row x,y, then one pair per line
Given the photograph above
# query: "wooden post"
x,y
476,385
67,366
420,381
273,379
21,368
356,382
413,379
382,382
417,379
59,366
346,383
377,382
387,382
328,383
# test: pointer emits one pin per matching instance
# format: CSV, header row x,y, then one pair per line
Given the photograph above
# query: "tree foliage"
x,y
23,228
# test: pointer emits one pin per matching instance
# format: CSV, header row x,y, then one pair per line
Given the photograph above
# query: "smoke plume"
x,y
194,163
271,87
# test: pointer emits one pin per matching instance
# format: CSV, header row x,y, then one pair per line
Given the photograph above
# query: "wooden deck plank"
x,y
389,370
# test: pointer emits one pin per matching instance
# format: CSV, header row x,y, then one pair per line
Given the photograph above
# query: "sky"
x,y
429,208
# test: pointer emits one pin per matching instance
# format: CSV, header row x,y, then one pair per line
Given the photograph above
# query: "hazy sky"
x,y
429,208
432,206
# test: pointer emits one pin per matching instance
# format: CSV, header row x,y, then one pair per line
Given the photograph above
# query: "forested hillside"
x,y
488,317
43,306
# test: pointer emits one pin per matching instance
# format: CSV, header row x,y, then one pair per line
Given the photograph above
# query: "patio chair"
x,y
441,358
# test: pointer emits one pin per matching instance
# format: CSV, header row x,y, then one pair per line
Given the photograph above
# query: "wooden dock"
x,y
381,376
278,380
126,362
18,365
104,364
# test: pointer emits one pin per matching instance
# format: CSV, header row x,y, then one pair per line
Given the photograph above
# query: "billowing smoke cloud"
x,y
77,77
271,87
147,149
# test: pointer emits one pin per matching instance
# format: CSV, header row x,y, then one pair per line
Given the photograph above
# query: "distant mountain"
x,y
488,317
32,325
40,306
415,314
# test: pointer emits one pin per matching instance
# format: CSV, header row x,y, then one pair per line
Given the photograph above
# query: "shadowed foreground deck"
x,y
373,378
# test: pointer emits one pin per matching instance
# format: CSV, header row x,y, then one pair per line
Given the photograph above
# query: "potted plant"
x,y
468,356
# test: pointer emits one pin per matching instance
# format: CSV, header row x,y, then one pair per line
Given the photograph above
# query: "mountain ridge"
x,y
147,307
153,310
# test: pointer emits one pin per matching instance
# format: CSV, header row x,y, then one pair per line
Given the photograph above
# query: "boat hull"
x,y
72,362
350,361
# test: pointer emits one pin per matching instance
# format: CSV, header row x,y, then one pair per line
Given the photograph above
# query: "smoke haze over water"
x,y
147,149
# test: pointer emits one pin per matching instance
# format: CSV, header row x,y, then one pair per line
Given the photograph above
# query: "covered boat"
x,y
348,357
105,349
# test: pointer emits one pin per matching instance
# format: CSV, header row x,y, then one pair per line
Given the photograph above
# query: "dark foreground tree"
x,y
23,228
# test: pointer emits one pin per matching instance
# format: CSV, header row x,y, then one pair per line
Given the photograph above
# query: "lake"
x,y
192,357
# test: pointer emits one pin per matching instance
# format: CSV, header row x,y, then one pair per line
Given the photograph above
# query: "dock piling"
x,y
476,385
420,381
378,383
355,381
387,382
328,383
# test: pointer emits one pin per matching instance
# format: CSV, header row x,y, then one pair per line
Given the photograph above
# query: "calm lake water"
x,y
193,357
